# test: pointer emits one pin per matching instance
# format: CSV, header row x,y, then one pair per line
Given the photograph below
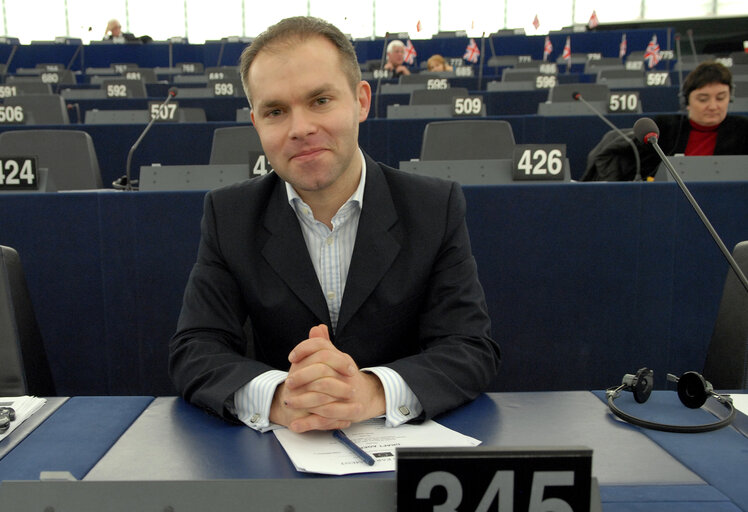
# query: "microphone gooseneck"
x,y
128,185
638,175
647,132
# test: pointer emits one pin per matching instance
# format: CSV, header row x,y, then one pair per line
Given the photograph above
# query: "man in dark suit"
x,y
333,289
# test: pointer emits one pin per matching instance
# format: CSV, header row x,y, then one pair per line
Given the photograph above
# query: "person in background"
x,y
114,32
396,58
437,63
334,289
706,129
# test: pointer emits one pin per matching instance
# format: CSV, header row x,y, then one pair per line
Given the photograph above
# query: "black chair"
x,y
69,155
25,368
233,144
467,140
726,365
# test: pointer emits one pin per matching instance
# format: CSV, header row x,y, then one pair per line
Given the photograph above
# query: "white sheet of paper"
x,y
320,452
740,402
24,406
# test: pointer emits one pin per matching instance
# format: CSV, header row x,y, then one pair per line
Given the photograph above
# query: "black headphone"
x,y
693,390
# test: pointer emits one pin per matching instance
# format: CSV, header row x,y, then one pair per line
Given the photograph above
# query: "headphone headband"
x,y
693,391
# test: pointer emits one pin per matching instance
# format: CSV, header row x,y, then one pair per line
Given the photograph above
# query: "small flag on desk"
x,y
419,26
566,55
547,48
536,22
593,20
622,48
410,53
471,52
652,53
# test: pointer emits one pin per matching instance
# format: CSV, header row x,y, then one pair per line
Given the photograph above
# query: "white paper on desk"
x,y
24,406
740,402
320,452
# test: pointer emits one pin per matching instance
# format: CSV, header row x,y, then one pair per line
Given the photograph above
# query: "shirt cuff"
x,y
253,400
401,403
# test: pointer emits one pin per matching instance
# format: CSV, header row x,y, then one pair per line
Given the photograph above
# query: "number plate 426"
x,y
539,162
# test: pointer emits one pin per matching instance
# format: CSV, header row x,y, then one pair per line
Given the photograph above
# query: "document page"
x,y
23,406
320,452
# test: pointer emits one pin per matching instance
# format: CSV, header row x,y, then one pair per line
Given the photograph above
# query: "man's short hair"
x,y
290,31
708,72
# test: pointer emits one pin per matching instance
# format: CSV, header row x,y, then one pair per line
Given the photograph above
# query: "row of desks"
x,y
138,440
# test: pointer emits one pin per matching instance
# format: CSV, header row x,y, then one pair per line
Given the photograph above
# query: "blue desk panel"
x,y
584,282
74,438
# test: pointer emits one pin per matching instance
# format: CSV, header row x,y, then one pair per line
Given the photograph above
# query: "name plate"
x,y
656,79
12,114
161,112
486,479
224,87
625,101
19,173
545,81
437,84
467,106
538,162
259,164
117,89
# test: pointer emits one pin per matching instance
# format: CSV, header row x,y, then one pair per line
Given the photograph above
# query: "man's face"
x,y
116,30
307,116
396,55
707,105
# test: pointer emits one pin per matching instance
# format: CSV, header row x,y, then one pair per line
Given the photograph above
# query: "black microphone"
x,y
638,176
647,132
77,107
169,96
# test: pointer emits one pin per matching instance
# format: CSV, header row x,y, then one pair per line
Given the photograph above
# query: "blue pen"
x,y
340,436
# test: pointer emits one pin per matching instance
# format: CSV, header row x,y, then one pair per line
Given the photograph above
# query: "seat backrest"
x,y
436,96
232,145
25,368
68,154
467,140
726,365
41,108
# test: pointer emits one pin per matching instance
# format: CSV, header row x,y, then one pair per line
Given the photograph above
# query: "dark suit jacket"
x,y
412,300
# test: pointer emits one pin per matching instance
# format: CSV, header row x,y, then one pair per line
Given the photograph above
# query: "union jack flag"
x,y
471,52
652,53
593,20
410,53
566,55
622,48
547,48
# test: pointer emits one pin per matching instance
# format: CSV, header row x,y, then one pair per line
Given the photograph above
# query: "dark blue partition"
x,y
584,282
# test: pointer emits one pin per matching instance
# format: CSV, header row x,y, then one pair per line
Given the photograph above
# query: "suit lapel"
x,y
287,253
375,247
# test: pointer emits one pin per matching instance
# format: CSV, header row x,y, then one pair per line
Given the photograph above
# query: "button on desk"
x,y
180,454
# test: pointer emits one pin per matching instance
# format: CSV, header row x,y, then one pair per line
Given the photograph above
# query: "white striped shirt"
x,y
330,252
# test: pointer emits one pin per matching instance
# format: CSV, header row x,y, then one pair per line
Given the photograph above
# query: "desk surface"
x,y
173,441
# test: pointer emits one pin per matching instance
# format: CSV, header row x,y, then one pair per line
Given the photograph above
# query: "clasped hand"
x,y
324,389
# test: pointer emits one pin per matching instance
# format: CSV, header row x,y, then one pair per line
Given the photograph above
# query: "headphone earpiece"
x,y
640,384
693,391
